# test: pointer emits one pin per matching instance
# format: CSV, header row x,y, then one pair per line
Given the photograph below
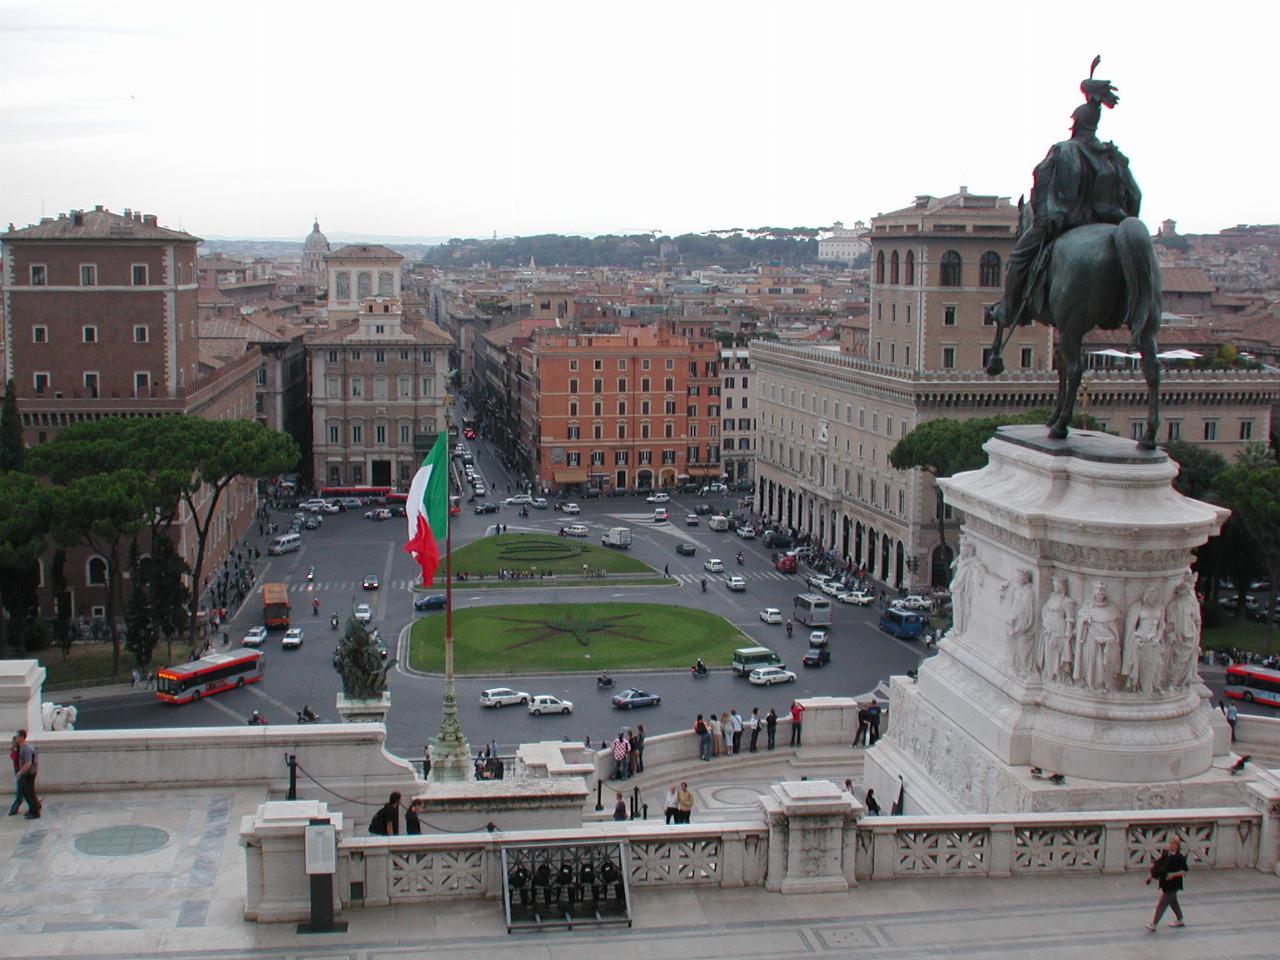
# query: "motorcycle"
x,y
257,720
306,716
788,628
604,682
740,560
315,606
333,622
699,674
311,574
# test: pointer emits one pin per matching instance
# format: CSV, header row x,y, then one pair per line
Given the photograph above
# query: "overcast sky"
x,y
458,119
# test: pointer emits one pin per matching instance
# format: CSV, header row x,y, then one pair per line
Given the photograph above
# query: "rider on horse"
x,y
1080,181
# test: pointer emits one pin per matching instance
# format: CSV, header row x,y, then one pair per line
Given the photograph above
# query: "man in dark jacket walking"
x,y
1168,871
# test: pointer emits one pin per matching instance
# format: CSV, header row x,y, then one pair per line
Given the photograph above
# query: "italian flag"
x,y
427,509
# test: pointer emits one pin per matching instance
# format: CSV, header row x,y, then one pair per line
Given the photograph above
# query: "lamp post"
x,y
451,756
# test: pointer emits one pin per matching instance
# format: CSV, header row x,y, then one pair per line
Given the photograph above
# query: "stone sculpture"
x,y
1098,639
1143,664
364,676
1083,259
1021,625
1058,633
969,575
1182,623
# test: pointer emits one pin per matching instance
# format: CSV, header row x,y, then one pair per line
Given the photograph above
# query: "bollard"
x,y
635,802
291,761
599,789
644,810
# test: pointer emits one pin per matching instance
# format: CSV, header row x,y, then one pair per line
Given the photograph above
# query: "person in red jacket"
x,y
797,717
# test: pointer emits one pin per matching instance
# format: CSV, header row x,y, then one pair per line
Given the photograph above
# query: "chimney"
x,y
128,214
964,191
98,207
149,219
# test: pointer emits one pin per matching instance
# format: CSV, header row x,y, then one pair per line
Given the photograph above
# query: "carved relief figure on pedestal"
x,y
1143,664
1021,625
970,573
1058,633
1098,641
1183,622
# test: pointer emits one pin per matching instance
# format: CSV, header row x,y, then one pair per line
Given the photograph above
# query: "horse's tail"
x,y
1141,279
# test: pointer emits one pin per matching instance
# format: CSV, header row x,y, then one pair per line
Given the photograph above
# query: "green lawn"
x,y
539,552
555,637
89,663
1231,633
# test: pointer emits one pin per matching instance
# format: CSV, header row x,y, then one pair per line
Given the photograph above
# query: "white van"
x,y
619,537
719,524
285,543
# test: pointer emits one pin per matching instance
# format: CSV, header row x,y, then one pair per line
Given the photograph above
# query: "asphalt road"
x,y
348,547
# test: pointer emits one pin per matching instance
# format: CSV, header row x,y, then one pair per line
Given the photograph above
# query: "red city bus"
x,y
362,493
212,674
1253,684
275,606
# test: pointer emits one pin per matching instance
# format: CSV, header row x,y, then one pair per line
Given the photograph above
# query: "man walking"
x,y
753,724
28,767
735,724
386,822
797,719
1168,871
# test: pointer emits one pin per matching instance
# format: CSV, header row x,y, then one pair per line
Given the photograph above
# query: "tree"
x,y
166,576
103,512
225,451
1252,491
24,525
1198,468
11,449
63,635
141,625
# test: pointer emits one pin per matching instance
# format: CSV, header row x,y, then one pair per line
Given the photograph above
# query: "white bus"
x,y
813,610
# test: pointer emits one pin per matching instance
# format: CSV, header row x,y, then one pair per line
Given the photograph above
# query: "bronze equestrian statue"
x,y
1083,259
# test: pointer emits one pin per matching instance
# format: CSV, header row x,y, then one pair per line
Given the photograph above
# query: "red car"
x,y
469,433
786,564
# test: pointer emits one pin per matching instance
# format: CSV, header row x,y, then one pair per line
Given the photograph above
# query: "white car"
x,y
481,489
713,566
817,580
502,697
832,588
292,638
570,508
331,507
717,488
746,533
538,503
768,676
857,598
254,637
315,506
913,601
381,513
735,583
658,498
660,515
546,703
364,612
577,530
517,500
771,615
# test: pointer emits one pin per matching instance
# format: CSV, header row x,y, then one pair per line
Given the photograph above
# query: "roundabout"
x,y
537,555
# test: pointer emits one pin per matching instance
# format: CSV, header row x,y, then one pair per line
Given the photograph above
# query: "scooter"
x,y
311,574
306,716
333,622
604,681
740,560
699,674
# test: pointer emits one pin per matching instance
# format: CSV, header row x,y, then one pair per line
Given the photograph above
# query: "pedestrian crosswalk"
x,y
325,586
696,578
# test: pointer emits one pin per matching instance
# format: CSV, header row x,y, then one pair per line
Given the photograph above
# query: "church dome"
x,y
316,241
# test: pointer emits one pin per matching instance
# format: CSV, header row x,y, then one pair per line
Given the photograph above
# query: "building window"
x,y
380,434
644,430
622,431
95,572
90,333
335,473
88,275
948,358
669,407
989,269
644,363
573,385
597,364
573,364
597,408
893,267
1211,429
357,433
385,284
91,384
573,408
343,291
620,458
910,279
356,355
644,384
597,458
141,383
40,334
950,273
333,356
405,388
670,364
1136,428
573,459
622,384
333,387
987,353
1028,354
357,473
364,284
357,387
333,433
1246,429
949,315
39,275
668,430
597,431
668,456
1175,429
670,384
141,333
622,408
379,356
880,267
138,272
574,431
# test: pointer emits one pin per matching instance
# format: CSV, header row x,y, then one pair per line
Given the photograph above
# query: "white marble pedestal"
x,y
1072,648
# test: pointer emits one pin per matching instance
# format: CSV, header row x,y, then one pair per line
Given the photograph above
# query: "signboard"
x,y
321,849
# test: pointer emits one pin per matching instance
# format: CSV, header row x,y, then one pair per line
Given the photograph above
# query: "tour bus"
x,y
275,606
903,624
813,610
1253,684
212,674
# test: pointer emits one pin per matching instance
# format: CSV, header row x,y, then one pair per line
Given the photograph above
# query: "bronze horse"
x,y
1099,275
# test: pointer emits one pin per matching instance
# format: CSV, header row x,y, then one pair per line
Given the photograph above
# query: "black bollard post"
x,y
291,761
644,809
635,802
599,789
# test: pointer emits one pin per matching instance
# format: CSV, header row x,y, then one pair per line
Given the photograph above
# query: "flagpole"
x,y
452,756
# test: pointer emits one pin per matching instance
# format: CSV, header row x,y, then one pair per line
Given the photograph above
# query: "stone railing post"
x,y
808,820
277,888
1000,838
733,859
1115,847
1264,797
884,848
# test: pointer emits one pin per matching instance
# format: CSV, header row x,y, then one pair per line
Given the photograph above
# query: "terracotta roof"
x,y
1167,338
97,225
363,251
1185,280
419,331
